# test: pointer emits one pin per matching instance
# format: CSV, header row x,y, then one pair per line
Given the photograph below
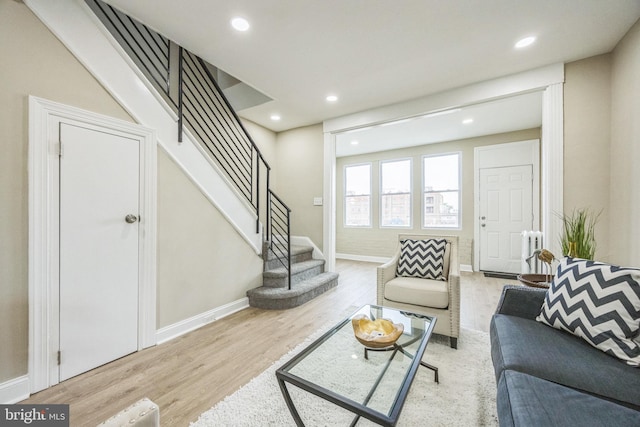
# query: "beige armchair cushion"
x,y
424,292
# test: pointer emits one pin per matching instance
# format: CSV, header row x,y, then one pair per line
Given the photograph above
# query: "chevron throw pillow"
x,y
422,258
598,302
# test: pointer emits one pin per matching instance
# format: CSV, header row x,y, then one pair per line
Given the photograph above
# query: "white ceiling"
x,y
372,53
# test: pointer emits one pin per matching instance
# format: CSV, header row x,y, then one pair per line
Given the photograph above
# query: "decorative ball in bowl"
x,y
377,333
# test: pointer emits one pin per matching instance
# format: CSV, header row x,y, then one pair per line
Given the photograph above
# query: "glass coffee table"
x,y
371,383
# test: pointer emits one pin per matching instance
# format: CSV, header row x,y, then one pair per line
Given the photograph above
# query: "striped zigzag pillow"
x,y
422,258
598,302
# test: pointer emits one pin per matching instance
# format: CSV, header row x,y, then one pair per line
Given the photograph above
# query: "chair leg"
x,y
453,342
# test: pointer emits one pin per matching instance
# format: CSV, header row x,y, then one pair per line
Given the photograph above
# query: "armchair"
x,y
440,298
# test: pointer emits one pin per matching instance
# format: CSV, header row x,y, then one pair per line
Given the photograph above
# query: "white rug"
x,y
464,397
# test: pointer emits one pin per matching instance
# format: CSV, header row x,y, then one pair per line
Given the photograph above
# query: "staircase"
x,y
187,87
308,280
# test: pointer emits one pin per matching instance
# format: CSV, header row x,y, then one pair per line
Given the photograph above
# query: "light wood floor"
x,y
189,374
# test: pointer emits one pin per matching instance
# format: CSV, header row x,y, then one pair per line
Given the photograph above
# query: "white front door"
x,y
506,209
99,187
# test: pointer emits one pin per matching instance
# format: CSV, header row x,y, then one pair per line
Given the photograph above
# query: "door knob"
x,y
130,218
482,225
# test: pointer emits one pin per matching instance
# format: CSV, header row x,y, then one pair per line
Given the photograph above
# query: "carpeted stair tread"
x,y
296,268
295,250
282,298
299,253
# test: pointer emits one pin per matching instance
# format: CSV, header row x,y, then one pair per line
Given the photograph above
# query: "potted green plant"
x,y
578,233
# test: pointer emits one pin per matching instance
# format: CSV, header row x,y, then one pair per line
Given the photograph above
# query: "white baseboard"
x,y
15,390
365,258
177,329
466,267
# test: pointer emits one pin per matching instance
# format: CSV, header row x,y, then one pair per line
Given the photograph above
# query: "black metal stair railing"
x,y
280,231
185,82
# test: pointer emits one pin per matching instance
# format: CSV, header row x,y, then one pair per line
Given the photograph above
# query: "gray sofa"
x,y
547,377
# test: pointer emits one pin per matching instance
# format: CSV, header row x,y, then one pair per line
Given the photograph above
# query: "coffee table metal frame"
x,y
358,408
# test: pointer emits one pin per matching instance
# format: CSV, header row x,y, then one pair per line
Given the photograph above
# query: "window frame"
x,y
424,193
381,194
345,196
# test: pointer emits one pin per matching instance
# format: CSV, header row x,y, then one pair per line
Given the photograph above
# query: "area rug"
x,y
465,395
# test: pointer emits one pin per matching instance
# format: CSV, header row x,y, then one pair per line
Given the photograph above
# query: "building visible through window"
x,y
395,193
357,195
441,193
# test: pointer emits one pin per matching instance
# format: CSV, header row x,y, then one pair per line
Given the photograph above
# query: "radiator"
x,y
531,242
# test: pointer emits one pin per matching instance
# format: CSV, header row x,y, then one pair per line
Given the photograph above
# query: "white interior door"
x,y
506,209
99,187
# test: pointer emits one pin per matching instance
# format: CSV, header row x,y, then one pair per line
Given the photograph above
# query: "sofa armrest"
x,y
521,301
143,413
386,272
454,288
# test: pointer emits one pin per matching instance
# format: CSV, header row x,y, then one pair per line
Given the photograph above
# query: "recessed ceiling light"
x,y
240,24
527,41
275,117
331,98
467,121
354,142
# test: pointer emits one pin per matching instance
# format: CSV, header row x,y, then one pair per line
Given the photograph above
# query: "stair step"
x,y
295,250
298,254
300,271
282,298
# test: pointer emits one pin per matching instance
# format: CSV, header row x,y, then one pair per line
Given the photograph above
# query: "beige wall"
x,y
587,118
602,146
202,262
299,177
381,242
265,141
624,225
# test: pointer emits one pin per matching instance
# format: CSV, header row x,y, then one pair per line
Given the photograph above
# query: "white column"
x,y
329,202
552,166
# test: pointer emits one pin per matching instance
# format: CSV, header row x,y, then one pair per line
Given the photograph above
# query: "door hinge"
x,y
59,357
60,149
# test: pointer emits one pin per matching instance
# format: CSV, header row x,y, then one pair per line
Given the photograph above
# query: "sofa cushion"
x,y
598,302
533,348
524,400
424,292
422,258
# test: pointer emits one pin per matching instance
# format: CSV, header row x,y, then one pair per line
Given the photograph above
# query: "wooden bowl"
x,y
377,333
536,280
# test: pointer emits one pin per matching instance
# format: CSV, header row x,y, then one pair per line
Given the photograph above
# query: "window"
x,y
441,192
357,195
395,193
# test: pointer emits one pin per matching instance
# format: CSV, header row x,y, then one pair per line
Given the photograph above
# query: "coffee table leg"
x,y
433,368
287,399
